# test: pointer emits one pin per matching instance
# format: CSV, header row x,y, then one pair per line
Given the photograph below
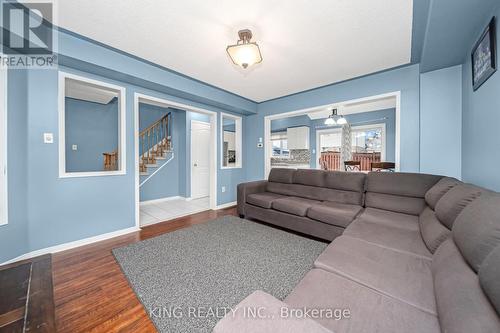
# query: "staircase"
x,y
155,144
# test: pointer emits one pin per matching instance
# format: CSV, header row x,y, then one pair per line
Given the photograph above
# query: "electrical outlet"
x,y
223,189
48,138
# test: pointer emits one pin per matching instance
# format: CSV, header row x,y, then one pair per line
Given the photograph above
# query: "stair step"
x,y
151,165
143,174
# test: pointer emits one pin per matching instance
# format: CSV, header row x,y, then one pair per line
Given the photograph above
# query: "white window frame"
x,y
122,142
354,128
4,202
238,140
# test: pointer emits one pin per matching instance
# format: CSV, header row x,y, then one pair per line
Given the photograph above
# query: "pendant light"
x,y
244,53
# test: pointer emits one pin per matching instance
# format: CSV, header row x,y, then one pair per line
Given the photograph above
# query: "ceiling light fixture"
x,y
342,121
244,53
330,121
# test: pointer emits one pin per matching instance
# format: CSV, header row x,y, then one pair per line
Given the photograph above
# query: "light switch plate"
x,y
74,147
48,138
223,189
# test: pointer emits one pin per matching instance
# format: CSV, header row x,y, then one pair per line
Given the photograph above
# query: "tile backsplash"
x,y
297,156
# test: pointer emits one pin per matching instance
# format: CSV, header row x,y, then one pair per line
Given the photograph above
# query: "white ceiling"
x,y
305,44
88,92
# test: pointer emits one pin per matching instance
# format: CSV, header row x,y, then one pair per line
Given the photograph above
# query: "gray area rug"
x,y
188,279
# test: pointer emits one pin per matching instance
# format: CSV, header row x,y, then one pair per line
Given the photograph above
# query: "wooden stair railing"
x,y
110,161
155,141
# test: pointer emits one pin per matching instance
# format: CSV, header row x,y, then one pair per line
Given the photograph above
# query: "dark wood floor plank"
x,y
14,282
40,316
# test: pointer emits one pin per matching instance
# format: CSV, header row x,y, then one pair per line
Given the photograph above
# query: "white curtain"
x,y
346,145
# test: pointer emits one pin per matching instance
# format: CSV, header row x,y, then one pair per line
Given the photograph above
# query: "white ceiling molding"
x,y
304,44
361,107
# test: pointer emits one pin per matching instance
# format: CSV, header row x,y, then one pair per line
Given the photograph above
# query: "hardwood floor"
x,y
91,293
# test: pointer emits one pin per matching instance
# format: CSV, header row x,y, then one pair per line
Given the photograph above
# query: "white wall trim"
x,y
238,121
213,156
157,201
339,130
172,155
122,127
268,119
226,205
4,190
71,245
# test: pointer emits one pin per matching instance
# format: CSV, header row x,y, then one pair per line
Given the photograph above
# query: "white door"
x,y
200,159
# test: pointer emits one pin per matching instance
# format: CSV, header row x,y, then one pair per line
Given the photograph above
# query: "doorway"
x,y
168,164
300,128
200,159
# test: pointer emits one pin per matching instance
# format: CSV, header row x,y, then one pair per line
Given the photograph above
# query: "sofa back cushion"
x,y
437,191
281,175
454,201
316,193
309,177
347,181
489,277
433,232
461,303
476,230
398,192
318,185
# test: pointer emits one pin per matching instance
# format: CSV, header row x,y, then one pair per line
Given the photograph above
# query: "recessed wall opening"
x,y
358,135
91,127
175,159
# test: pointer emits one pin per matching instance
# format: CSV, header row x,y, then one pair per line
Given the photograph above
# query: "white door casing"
x,y
200,159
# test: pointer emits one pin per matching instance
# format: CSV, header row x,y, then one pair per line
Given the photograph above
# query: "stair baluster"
x,y
155,141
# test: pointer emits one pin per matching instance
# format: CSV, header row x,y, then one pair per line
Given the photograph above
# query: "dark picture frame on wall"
x,y
484,54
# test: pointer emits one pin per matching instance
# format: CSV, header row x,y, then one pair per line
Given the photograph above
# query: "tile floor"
x,y
151,213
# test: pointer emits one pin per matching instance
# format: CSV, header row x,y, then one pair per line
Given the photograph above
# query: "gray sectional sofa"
x,y
410,253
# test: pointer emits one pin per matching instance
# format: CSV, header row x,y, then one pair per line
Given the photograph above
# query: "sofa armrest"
x,y
261,312
245,189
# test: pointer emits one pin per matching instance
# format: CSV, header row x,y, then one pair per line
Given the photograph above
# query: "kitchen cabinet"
x,y
298,137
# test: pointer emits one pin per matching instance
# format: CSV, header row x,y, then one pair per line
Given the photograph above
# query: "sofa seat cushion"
x,y
370,311
264,199
388,218
269,319
396,274
398,239
334,213
293,205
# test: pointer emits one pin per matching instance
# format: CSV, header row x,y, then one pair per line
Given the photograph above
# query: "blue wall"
x,y
481,120
405,79
441,122
52,210
358,119
93,127
13,236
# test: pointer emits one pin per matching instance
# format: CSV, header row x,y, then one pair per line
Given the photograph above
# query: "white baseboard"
x,y
156,201
71,245
226,205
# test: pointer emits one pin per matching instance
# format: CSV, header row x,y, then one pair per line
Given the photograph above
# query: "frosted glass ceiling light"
x,y
331,118
342,121
244,53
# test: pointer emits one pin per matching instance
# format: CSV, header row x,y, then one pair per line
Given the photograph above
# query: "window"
x,y
231,128
3,147
91,127
280,145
